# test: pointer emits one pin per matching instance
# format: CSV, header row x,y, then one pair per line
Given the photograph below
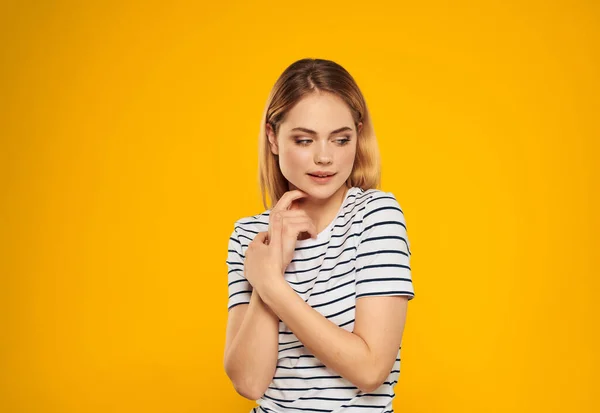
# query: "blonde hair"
x,y
301,78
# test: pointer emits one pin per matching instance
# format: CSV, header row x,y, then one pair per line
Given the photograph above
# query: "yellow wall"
x,y
128,149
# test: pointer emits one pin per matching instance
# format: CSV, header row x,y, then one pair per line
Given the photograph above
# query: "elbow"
x,y
368,387
244,385
372,380
247,390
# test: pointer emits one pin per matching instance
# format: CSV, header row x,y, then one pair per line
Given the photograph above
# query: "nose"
x,y
323,154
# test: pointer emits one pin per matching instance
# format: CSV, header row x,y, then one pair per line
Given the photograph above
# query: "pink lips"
x,y
320,180
321,173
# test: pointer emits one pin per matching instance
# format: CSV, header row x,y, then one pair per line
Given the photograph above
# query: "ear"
x,y
272,139
359,127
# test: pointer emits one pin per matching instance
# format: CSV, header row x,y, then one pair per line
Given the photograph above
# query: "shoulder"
x,y
246,228
375,200
381,211
383,217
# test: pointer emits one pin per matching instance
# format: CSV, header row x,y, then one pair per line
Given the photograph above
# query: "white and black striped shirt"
x,y
363,252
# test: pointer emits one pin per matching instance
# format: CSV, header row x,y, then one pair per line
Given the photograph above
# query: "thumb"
x,y
260,237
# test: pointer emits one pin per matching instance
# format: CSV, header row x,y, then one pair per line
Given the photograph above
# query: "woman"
x,y
319,283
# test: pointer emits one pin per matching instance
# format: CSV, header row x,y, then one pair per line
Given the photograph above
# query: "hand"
x,y
264,261
295,222
268,258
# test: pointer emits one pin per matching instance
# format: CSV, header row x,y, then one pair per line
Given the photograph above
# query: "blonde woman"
x,y
319,283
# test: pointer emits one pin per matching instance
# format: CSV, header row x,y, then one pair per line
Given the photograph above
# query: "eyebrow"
x,y
312,132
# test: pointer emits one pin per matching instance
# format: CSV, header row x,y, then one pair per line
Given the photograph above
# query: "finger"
x,y
302,224
293,213
261,237
290,213
295,228
285,202
285,214
275,236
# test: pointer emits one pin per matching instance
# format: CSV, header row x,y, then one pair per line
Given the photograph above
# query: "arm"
x,y
252,338
365,356
252,342
251,347
383,287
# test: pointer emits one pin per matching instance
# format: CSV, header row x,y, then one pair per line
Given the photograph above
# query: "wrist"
x,y
269,276
273,290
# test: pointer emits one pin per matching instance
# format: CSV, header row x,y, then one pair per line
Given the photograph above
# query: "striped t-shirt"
x,y
363,252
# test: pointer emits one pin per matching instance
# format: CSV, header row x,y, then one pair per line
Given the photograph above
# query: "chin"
x,y
317,191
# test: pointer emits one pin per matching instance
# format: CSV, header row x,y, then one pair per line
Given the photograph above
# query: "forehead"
x,y
320,112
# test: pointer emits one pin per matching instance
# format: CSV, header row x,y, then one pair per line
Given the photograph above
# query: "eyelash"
x,y
341,142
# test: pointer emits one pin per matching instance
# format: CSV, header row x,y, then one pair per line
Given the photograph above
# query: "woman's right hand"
x,y
294,221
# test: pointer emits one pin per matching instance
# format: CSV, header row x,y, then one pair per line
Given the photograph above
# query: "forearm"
x,y
251,360
340,350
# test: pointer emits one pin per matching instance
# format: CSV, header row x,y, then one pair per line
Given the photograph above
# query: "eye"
x,y
306,142
303,142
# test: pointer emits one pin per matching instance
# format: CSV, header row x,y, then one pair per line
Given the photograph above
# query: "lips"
x,y
322,175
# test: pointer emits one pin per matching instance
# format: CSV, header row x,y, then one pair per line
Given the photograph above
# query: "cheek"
x,y
348,157
293,157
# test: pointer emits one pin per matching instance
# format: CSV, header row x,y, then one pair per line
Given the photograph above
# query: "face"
x,y
317,134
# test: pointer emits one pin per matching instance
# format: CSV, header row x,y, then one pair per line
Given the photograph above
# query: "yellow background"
x,y
128,150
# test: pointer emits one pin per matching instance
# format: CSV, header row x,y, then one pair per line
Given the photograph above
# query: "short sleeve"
x,y
383,252
238,287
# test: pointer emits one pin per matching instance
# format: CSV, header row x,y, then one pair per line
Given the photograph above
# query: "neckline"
x,y
326,231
